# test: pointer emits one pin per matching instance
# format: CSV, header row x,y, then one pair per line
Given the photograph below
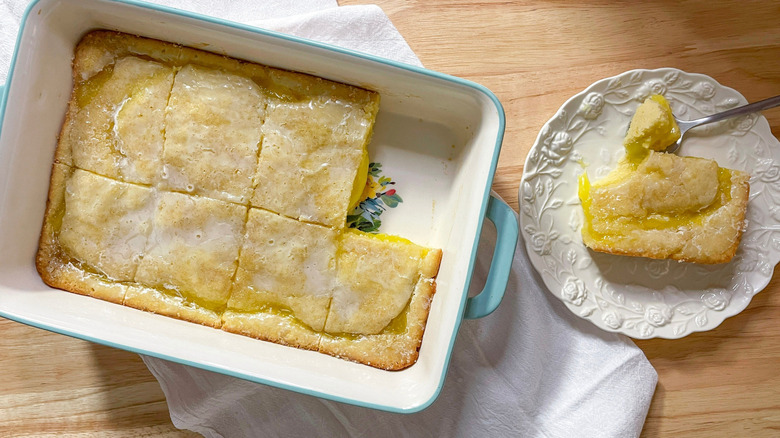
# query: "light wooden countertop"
x,y
533,55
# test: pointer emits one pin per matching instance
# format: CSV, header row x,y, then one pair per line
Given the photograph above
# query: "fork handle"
x,y
738,111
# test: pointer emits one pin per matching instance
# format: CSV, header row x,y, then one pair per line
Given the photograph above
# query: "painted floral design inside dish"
x,y
378,196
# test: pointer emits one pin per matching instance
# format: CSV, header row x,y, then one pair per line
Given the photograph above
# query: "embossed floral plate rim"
x,y
639,297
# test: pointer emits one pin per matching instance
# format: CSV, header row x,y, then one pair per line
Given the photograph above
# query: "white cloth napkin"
x,y
530,369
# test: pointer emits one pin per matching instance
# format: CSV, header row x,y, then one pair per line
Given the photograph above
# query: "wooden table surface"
x,y
533,55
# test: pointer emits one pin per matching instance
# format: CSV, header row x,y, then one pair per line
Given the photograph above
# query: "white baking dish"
x,y
438,136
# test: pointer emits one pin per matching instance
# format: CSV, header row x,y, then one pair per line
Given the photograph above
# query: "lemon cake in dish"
x,y
212,134
215,191
94,247
384,287
660,205
361,296
311,148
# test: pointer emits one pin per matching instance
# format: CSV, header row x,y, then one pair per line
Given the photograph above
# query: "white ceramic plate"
x,y
640,297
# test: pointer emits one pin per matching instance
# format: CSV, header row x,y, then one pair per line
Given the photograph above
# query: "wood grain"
x,y
534,55
53,385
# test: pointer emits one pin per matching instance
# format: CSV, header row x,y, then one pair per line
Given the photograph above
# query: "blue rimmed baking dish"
x,y
438,136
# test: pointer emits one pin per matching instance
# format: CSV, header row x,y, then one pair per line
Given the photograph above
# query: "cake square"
x,y
381,301
190,257
114,124
314,139
93,233
106,223
212,134
98,49
376,277
285,266
397,346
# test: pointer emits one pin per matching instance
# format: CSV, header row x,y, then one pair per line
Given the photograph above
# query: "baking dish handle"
x,y
507,228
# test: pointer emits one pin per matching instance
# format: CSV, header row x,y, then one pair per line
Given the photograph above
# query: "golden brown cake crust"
x,y
182,254
389,351
431,262
156,301
272,327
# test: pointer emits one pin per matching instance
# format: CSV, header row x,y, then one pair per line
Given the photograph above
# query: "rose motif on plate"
x,y
574,291
716,300
612,320
559,146
704,90
653,86
745,123
768,171
591,106
541,243
658,316
529,194
657,268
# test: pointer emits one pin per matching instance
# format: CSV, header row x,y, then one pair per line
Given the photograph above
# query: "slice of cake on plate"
x,y
660,205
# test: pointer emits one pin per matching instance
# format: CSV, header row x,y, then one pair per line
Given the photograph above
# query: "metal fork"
x,y
685,125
